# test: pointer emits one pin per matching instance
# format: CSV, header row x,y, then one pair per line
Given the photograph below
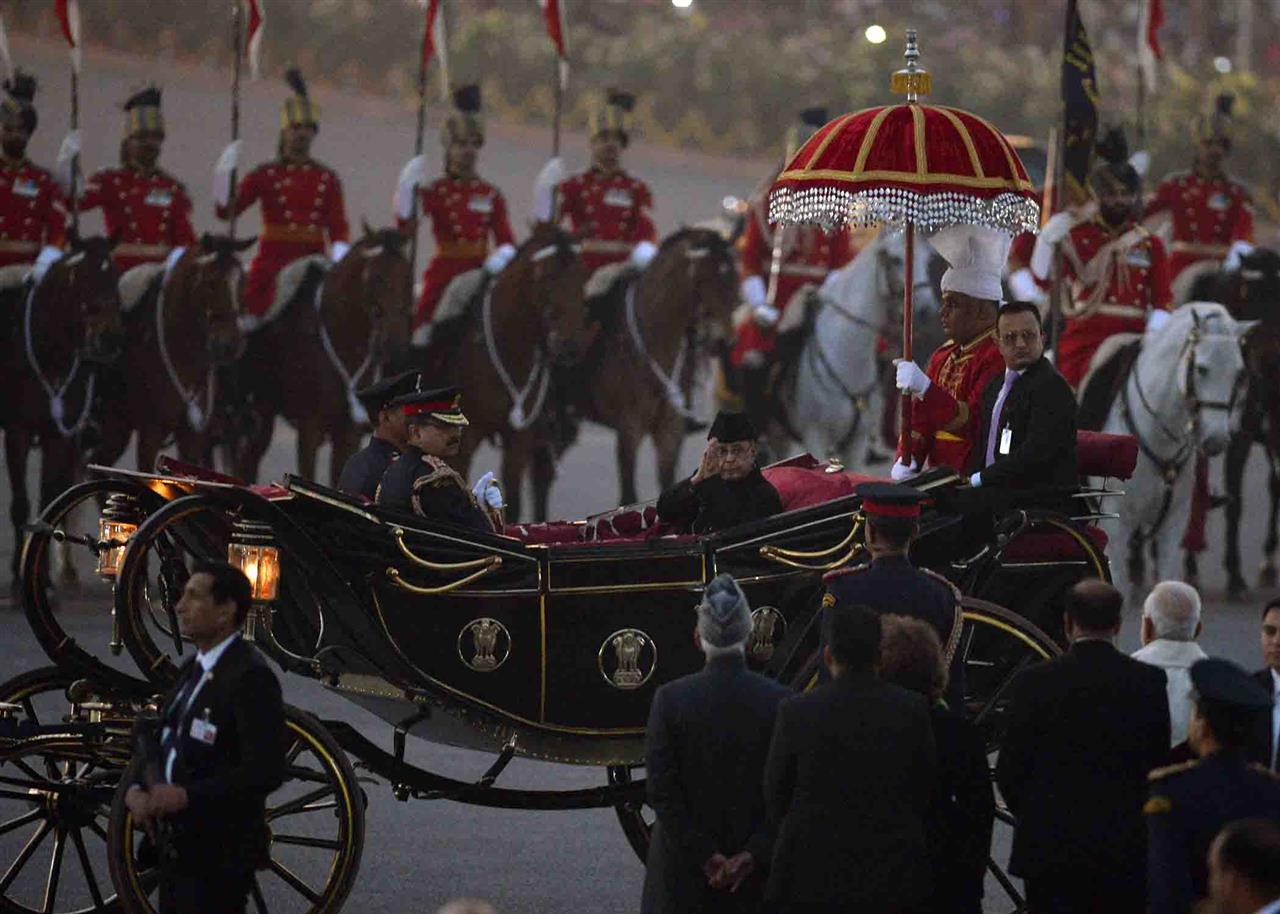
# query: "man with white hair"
x,y
1170,627
705,750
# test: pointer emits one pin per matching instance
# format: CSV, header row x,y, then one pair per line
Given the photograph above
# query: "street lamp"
x,y
876,34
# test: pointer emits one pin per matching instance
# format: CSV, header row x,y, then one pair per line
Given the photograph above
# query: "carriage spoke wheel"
x,y
315,831
75,640
636,817
55,801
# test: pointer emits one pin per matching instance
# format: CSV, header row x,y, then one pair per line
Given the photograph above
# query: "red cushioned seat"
x,y
1051,545
1100,454
800,487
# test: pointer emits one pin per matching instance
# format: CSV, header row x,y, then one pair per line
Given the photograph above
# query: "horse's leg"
x,y
625,447
310,437
114,438
515,457
1237,458
543,470
17,446
1267,574
667,438
150,439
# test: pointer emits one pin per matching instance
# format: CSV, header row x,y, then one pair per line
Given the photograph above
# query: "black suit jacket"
x,y
717,504
1259,750
849,782
705,750
227,780
961,816
365,468
1040,413
1083,732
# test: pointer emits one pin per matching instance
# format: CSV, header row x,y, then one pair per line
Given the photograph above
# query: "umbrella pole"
x,y
908,307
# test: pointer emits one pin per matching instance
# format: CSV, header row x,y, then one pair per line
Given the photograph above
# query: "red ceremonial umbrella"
x,y
907,166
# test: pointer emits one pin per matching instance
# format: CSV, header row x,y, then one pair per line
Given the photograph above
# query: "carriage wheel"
x,y
315,826
55,801
636,817
74,514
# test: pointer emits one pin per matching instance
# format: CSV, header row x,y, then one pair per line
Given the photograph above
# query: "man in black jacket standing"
x,y
205,776
705,748
849,781
1025,446
1083,731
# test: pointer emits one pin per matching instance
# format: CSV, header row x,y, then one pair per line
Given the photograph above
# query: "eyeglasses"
x,y
1012,337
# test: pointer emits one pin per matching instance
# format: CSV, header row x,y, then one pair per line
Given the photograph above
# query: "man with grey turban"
x,y
705,750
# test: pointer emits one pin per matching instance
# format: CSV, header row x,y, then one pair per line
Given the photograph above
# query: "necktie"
x,y
996,410
173,718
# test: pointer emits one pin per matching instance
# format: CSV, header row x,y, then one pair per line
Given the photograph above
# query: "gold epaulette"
x,y
1158,773
1157,806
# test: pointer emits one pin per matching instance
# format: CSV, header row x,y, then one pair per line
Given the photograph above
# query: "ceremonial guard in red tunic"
x,y
146,209
607,208
1117,270
302,204
1211,213
949,391
466,211
33,216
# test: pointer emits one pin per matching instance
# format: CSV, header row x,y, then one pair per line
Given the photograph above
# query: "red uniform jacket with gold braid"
x,y
959,374
610,213
1117,276
465,214
301,205
32,212
808,255
1208,214
150,214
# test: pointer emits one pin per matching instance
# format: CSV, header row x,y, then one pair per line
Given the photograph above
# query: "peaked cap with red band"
x,y
444,404
890,501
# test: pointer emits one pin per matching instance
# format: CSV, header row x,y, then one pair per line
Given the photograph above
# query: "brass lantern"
x,y
116,524
253,550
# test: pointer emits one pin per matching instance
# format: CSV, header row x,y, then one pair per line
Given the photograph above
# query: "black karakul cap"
x,y
729,427
444,404
377,396
889,500
1221,682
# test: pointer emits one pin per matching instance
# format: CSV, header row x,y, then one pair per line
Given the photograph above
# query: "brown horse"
x,y
333,337
501,353
639,375
54,339
178,335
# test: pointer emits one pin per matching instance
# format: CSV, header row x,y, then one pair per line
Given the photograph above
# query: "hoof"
x,y
1237,589
1267,576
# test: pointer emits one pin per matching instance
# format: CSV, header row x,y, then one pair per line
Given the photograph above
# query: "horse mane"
x,y
390,239
717,244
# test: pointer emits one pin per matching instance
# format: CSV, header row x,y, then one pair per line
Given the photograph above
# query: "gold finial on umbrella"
x,y
912,80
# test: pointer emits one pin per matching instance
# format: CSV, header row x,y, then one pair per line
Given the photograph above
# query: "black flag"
x,y
1079,106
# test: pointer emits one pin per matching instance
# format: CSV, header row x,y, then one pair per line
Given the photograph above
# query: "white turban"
x,y
977,256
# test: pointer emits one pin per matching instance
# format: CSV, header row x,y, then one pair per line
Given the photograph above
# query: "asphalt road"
x,y
420,853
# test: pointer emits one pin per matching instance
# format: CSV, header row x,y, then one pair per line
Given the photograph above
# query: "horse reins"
x,y
55,395
539,374
349,379
197,418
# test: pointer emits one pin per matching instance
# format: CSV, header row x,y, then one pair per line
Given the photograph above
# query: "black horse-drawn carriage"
x,y
544,643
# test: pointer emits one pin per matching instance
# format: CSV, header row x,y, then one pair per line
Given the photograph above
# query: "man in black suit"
x,y
1083,731
364,469
1265,748
204,777
1025,446
849,782
705,750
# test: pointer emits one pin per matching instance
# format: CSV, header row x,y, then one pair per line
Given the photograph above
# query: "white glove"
x,y
496,262
1023,285
411,177
493,497
900,472
338,250
486,490
48,256
753,292
65,163
247,323
1157,318
222,172
1058,226
1238,250
544,189
642,254
1140,161
766,315
1047,241
910,379
976,480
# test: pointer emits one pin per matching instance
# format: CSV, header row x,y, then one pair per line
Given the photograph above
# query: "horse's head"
x,y
1253,291
548,272
1210,370
210,279
702,259
384,278
83,287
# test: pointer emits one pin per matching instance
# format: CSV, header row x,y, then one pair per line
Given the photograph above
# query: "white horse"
x,y
832,404
1177,400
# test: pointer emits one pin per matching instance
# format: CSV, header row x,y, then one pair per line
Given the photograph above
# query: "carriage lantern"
x,y
116,524
253,550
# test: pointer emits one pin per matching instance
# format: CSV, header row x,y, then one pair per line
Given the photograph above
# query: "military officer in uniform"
x,y
728,488
302,202
364,469
1190,803
33,215
605,206
466,211
419,481
144,207
950,389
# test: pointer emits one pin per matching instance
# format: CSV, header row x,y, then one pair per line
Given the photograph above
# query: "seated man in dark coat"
x,y
419,481
363,470
728,489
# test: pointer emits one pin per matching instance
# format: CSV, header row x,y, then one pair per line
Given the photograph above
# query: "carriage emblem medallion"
x,y
767,628
627,659
484,644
